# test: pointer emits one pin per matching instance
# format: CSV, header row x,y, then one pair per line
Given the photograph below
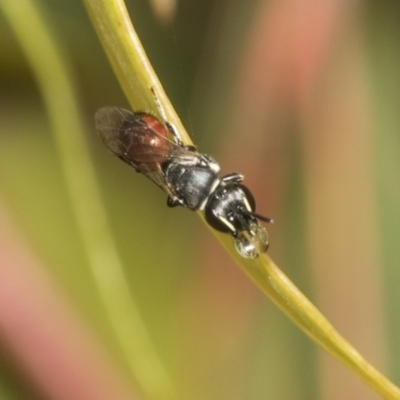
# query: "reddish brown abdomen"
x,y
149,145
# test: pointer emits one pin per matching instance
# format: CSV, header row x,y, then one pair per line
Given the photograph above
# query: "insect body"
x,y
190,179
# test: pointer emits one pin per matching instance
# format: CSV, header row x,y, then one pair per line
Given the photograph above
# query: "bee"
x,y
189,178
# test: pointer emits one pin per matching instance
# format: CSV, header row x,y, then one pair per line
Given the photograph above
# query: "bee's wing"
x,y
120,129
131,137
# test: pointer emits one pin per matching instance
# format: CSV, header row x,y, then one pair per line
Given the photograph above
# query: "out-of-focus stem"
x,y
56,83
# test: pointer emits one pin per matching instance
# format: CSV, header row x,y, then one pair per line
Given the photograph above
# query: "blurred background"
x,y
300,97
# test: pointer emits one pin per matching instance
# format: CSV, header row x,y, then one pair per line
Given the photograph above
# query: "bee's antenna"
x,y
261,217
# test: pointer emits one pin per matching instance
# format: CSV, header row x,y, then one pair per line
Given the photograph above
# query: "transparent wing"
x,y
141,140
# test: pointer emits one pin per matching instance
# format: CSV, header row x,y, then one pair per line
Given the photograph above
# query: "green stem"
x,y
270,279
129,61
56,84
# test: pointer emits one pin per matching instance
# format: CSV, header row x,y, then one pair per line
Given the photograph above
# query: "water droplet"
x,y
252,244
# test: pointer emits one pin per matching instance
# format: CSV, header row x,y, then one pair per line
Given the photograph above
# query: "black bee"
x,y
190,179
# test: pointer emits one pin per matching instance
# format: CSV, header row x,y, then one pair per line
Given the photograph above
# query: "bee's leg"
x,y
232,230
177,137
171,127
232,178
174,202
174,132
